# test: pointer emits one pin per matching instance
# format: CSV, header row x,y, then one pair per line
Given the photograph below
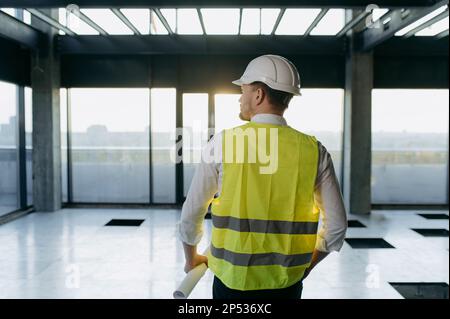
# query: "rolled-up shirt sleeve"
x,y
203,187
328,198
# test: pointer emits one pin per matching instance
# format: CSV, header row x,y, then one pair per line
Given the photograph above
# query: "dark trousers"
x,y
220,291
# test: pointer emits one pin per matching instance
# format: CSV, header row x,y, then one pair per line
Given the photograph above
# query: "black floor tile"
x,y
434,216
421,290
125,222
368,243
432,232
355,223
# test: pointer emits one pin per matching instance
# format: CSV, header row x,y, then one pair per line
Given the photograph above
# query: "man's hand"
x,y
194,262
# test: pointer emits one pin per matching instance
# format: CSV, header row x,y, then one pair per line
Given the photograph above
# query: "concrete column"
x,y
357,130
45,74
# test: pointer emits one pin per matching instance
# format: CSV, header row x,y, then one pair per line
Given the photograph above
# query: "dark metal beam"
x,y
428,23
18,31
200,17
195,44
15,65
163,21
240,21
215,3
277,23
125,20
179,169
351,24
426,47
235,45
316,21
50,21
411,72
371,37
202,72
197,73
21,154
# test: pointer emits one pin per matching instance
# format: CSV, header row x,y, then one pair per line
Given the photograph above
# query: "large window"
x,y
109,133
195,137
110,145
8,148
163,115
227,109
319,112
410,146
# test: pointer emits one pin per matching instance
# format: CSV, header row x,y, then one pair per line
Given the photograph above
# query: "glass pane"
x,y
296,21
188,22
156,26
26,17
434,29
107,20
72,21
140,18
268,19
110,145
306,114
331,23
8,148
421,21
29,143
10,11
62,18
163,115
409,146
214,21
195,133
250,23
227,109
171,17
64,163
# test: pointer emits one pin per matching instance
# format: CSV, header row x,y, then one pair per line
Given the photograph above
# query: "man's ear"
x,y
260,95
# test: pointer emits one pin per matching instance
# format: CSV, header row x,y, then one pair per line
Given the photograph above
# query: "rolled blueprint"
x,y
190,281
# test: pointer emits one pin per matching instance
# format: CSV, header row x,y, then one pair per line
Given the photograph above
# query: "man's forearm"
x,y
193,259
189,252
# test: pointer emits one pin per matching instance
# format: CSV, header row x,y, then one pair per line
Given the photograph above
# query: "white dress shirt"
x,y
207,181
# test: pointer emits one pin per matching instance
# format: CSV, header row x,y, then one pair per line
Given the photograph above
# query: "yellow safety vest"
x,y
264,225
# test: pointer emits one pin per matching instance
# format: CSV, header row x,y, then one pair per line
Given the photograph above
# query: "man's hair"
x,y
277,98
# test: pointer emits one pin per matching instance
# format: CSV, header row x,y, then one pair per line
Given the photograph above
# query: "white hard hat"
x,y
277,72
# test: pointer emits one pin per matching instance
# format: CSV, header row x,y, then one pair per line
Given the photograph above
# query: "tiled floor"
x,y
71,254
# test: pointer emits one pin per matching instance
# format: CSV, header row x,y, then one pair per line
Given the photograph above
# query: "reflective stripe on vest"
x,y
266,259
265,225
